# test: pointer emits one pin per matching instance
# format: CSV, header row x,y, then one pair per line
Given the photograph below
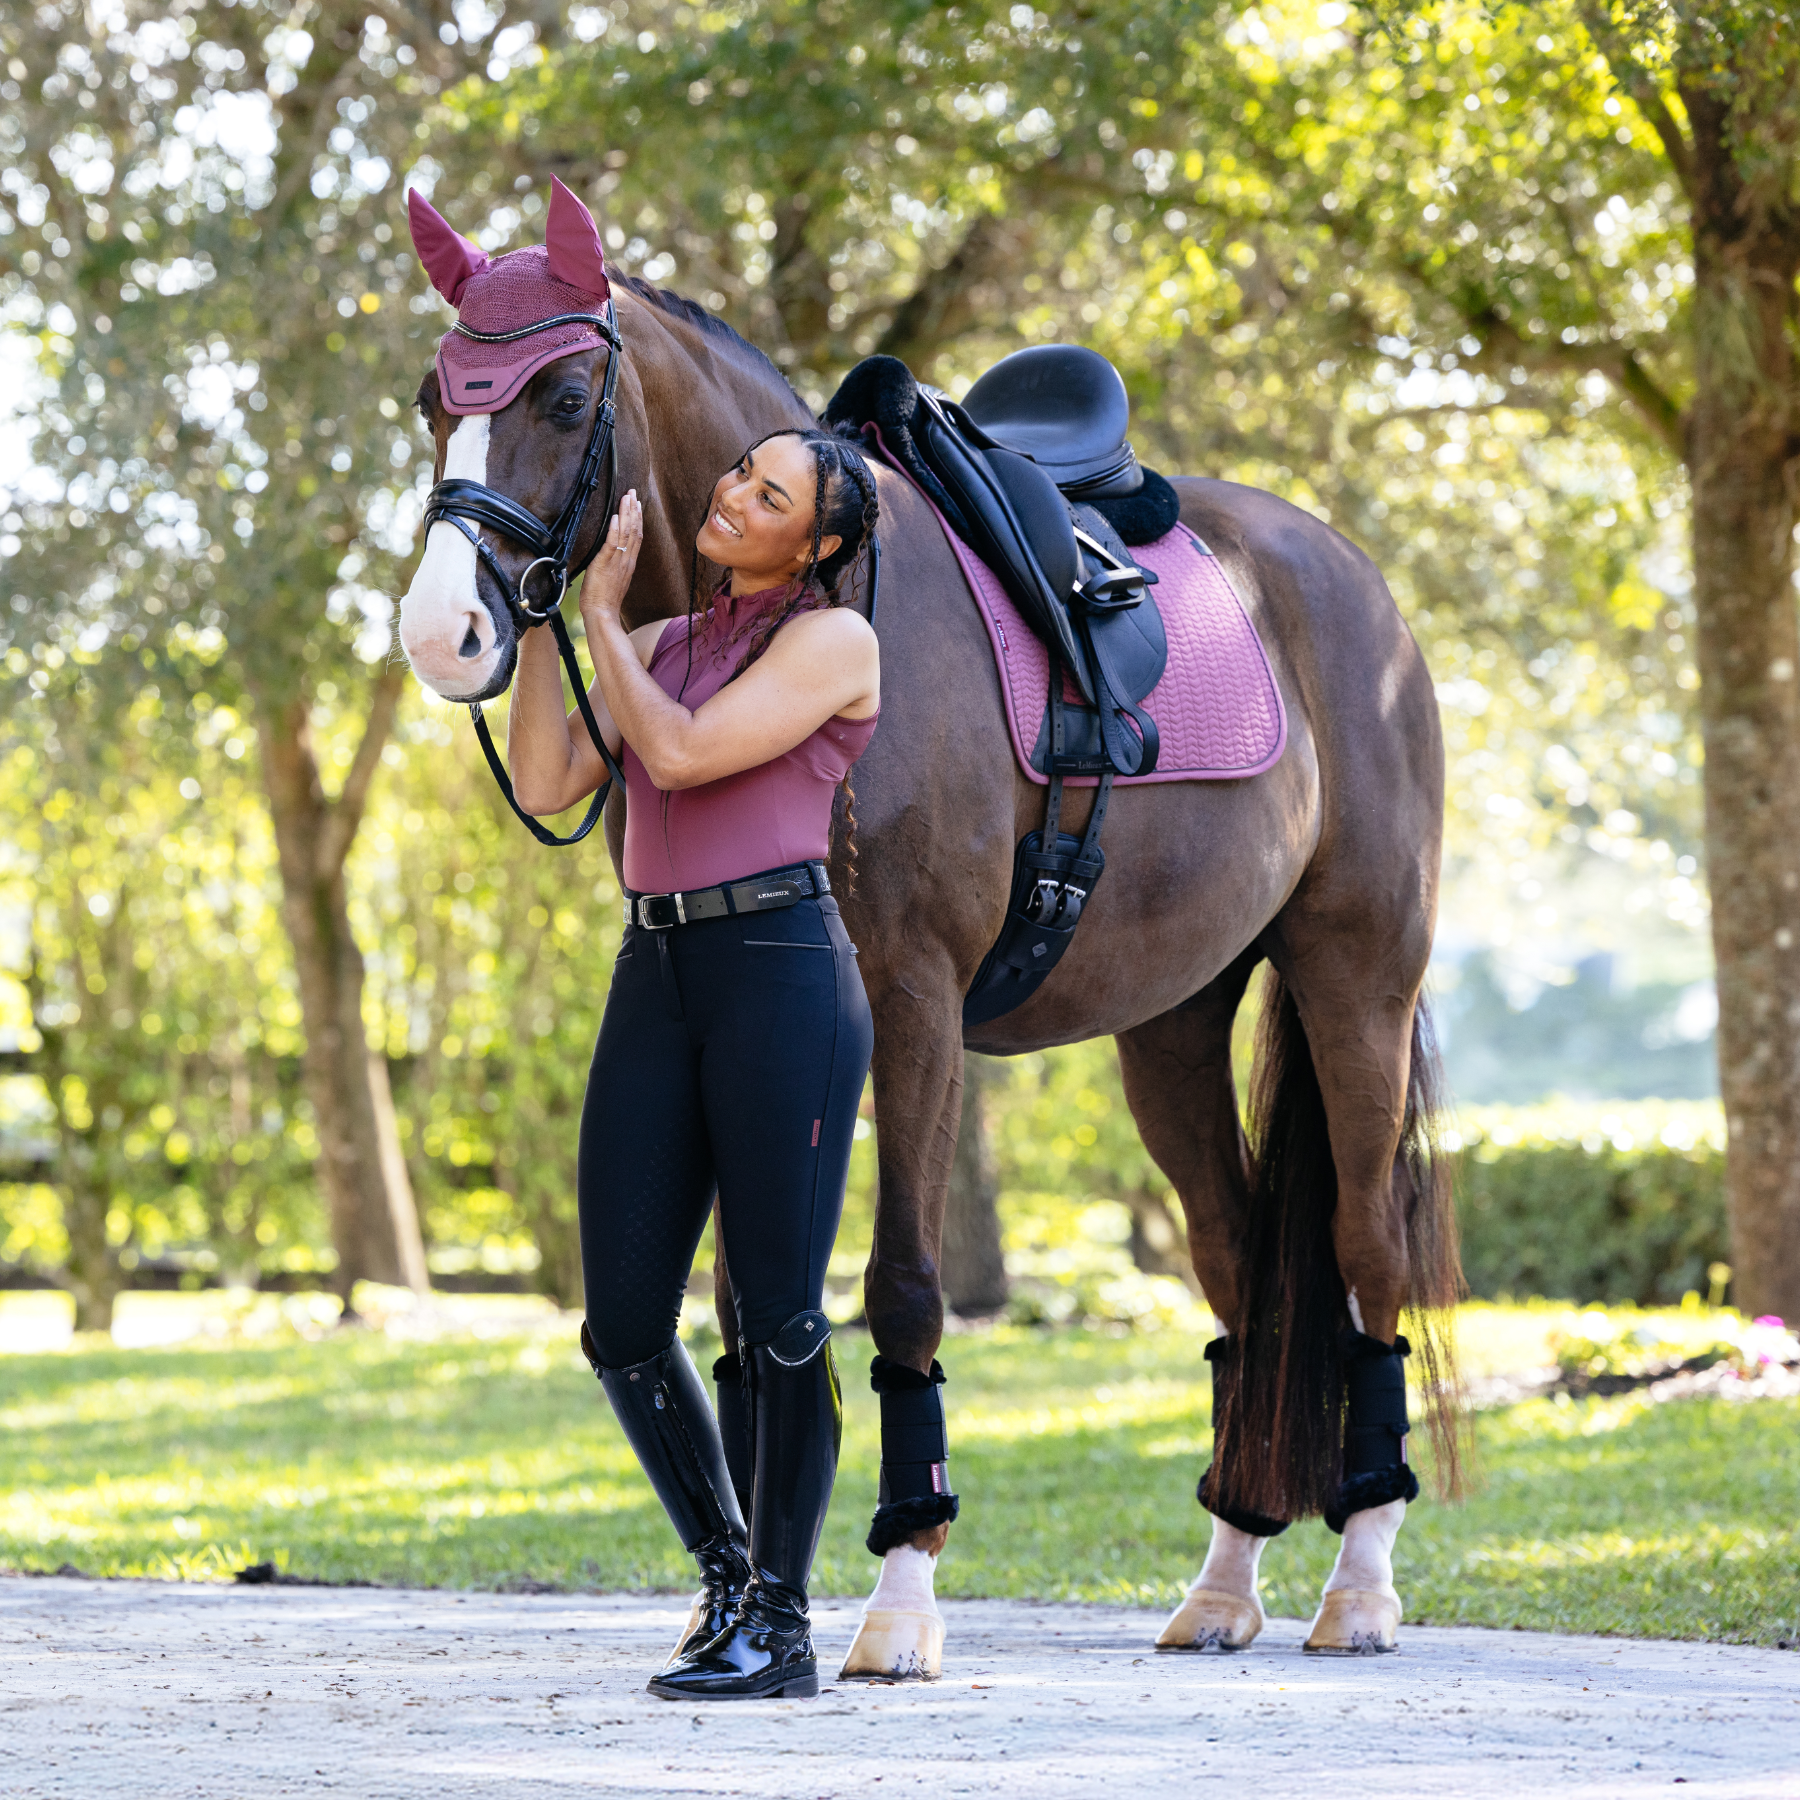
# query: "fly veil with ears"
x,y
516,313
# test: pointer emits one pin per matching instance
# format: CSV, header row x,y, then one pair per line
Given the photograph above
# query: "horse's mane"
x,y
679,306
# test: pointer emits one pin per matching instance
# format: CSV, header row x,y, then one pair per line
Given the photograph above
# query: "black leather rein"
x,y
471,505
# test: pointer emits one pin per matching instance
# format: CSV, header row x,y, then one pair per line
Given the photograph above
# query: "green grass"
x,y
489,1464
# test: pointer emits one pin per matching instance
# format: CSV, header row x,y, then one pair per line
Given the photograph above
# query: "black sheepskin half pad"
x,y
882,391
1373,1487
1143,517
900,1520
1257,1524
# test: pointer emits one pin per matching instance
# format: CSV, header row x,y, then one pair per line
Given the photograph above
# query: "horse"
x,y
1331,1216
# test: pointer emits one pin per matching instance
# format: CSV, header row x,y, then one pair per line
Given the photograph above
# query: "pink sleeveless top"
x,y
769,817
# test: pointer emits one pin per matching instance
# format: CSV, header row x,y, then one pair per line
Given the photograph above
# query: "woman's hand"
x,y
609,575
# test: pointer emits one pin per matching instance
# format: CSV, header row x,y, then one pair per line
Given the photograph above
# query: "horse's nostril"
x,y
471,644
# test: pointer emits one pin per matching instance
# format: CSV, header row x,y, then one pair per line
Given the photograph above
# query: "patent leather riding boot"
x,y
797,1413
662,1408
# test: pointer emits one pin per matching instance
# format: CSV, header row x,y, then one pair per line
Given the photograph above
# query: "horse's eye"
x,y
569,406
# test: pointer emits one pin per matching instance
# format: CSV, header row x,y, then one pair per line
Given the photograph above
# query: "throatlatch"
x,y
1221,1354
1375,1428
915,1491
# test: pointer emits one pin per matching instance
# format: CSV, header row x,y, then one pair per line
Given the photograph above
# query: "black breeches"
x,y
732,1055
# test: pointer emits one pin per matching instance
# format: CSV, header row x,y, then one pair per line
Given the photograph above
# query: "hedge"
x,y
1632,1209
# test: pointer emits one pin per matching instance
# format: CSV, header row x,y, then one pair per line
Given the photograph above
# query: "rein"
x,y
470,505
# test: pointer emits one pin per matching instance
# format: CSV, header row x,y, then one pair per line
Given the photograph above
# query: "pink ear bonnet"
x,y
503,303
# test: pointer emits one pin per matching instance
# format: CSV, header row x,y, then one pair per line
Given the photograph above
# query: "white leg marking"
x,y
1366,1557
901,1637
442,607
905,1583
1222,1610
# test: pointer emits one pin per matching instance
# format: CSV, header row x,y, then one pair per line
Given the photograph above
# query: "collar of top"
x,y
517,312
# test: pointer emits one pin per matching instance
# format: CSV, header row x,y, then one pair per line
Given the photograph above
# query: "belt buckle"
x,y
652,919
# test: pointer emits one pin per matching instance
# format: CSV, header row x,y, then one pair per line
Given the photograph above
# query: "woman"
x,y
736,1035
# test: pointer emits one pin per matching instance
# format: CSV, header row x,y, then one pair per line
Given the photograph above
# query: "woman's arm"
x,y
816,667
554,762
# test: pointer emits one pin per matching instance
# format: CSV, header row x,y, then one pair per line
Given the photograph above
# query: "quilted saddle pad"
x,y
1217,707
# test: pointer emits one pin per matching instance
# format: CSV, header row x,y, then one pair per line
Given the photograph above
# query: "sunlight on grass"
x,y
493,1463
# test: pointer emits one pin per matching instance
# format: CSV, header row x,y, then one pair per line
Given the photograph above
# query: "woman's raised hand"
x,y
609,575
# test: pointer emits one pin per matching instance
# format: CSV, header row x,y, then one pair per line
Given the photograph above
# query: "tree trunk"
x,y
971,1265
1741,455
1158,1242
374,1221
91,1273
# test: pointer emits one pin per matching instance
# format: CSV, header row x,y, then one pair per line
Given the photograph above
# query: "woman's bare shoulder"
x,y
647,637
833,628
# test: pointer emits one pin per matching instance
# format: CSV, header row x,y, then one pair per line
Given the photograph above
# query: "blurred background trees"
x,y
1474,283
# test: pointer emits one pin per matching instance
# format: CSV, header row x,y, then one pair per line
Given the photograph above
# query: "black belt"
x,y
761,893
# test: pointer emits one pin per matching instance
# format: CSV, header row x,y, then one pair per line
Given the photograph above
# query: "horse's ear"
x,y
573,240
449,258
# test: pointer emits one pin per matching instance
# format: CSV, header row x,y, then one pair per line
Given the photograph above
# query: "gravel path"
x,y
140,1691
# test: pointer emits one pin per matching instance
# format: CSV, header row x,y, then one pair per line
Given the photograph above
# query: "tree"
x,y
148,998
1611,201
196,234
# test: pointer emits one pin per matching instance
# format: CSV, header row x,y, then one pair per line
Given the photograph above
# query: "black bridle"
x,y
471,505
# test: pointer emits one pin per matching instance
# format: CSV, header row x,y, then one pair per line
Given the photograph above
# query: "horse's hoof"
x,y
1211,1621
1356,1622
896,1646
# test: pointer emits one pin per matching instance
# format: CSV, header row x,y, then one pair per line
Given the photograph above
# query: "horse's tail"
x,y
1278,1439
1435,1284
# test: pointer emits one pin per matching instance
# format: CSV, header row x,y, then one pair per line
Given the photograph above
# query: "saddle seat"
x,y
1065,408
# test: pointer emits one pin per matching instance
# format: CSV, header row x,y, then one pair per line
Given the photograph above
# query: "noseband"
x,y
471,505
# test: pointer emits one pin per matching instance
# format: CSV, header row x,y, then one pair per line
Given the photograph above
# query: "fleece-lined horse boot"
x,y
901,1637
1210,1617
1363,1620
796,1426
661,1406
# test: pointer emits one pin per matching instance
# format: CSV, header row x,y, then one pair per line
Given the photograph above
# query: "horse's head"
x,y
519,399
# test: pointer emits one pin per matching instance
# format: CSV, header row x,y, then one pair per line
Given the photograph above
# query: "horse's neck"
x,y
704,398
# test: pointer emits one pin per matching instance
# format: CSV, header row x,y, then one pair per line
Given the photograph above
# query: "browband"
x,y
506,337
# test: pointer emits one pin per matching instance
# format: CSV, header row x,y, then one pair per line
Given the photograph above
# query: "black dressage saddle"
x,y
1035,472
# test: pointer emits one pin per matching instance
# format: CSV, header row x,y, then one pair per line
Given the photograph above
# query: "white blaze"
x,y
442,608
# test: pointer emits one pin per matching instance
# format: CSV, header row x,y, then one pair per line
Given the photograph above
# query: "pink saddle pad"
x,y
1217,708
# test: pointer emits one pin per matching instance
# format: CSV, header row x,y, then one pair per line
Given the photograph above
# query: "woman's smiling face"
x,y
760,522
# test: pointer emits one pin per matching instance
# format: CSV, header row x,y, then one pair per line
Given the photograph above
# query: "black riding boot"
x,y
662,1408
797,1416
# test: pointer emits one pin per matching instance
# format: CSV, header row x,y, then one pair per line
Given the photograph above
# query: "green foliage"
x,y
1592,1214
488,1464
150,996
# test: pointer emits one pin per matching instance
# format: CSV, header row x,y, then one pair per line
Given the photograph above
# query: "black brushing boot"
x,y
797,1421
1221,1356
662,1408
1375,1467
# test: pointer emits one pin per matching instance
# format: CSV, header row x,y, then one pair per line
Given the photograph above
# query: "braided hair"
x,y
845,506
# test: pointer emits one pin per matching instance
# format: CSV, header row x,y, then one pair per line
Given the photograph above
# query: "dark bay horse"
x,y
1326,867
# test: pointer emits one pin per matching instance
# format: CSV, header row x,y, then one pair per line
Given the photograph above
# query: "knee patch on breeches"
x,y
1375,1428
915,1454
